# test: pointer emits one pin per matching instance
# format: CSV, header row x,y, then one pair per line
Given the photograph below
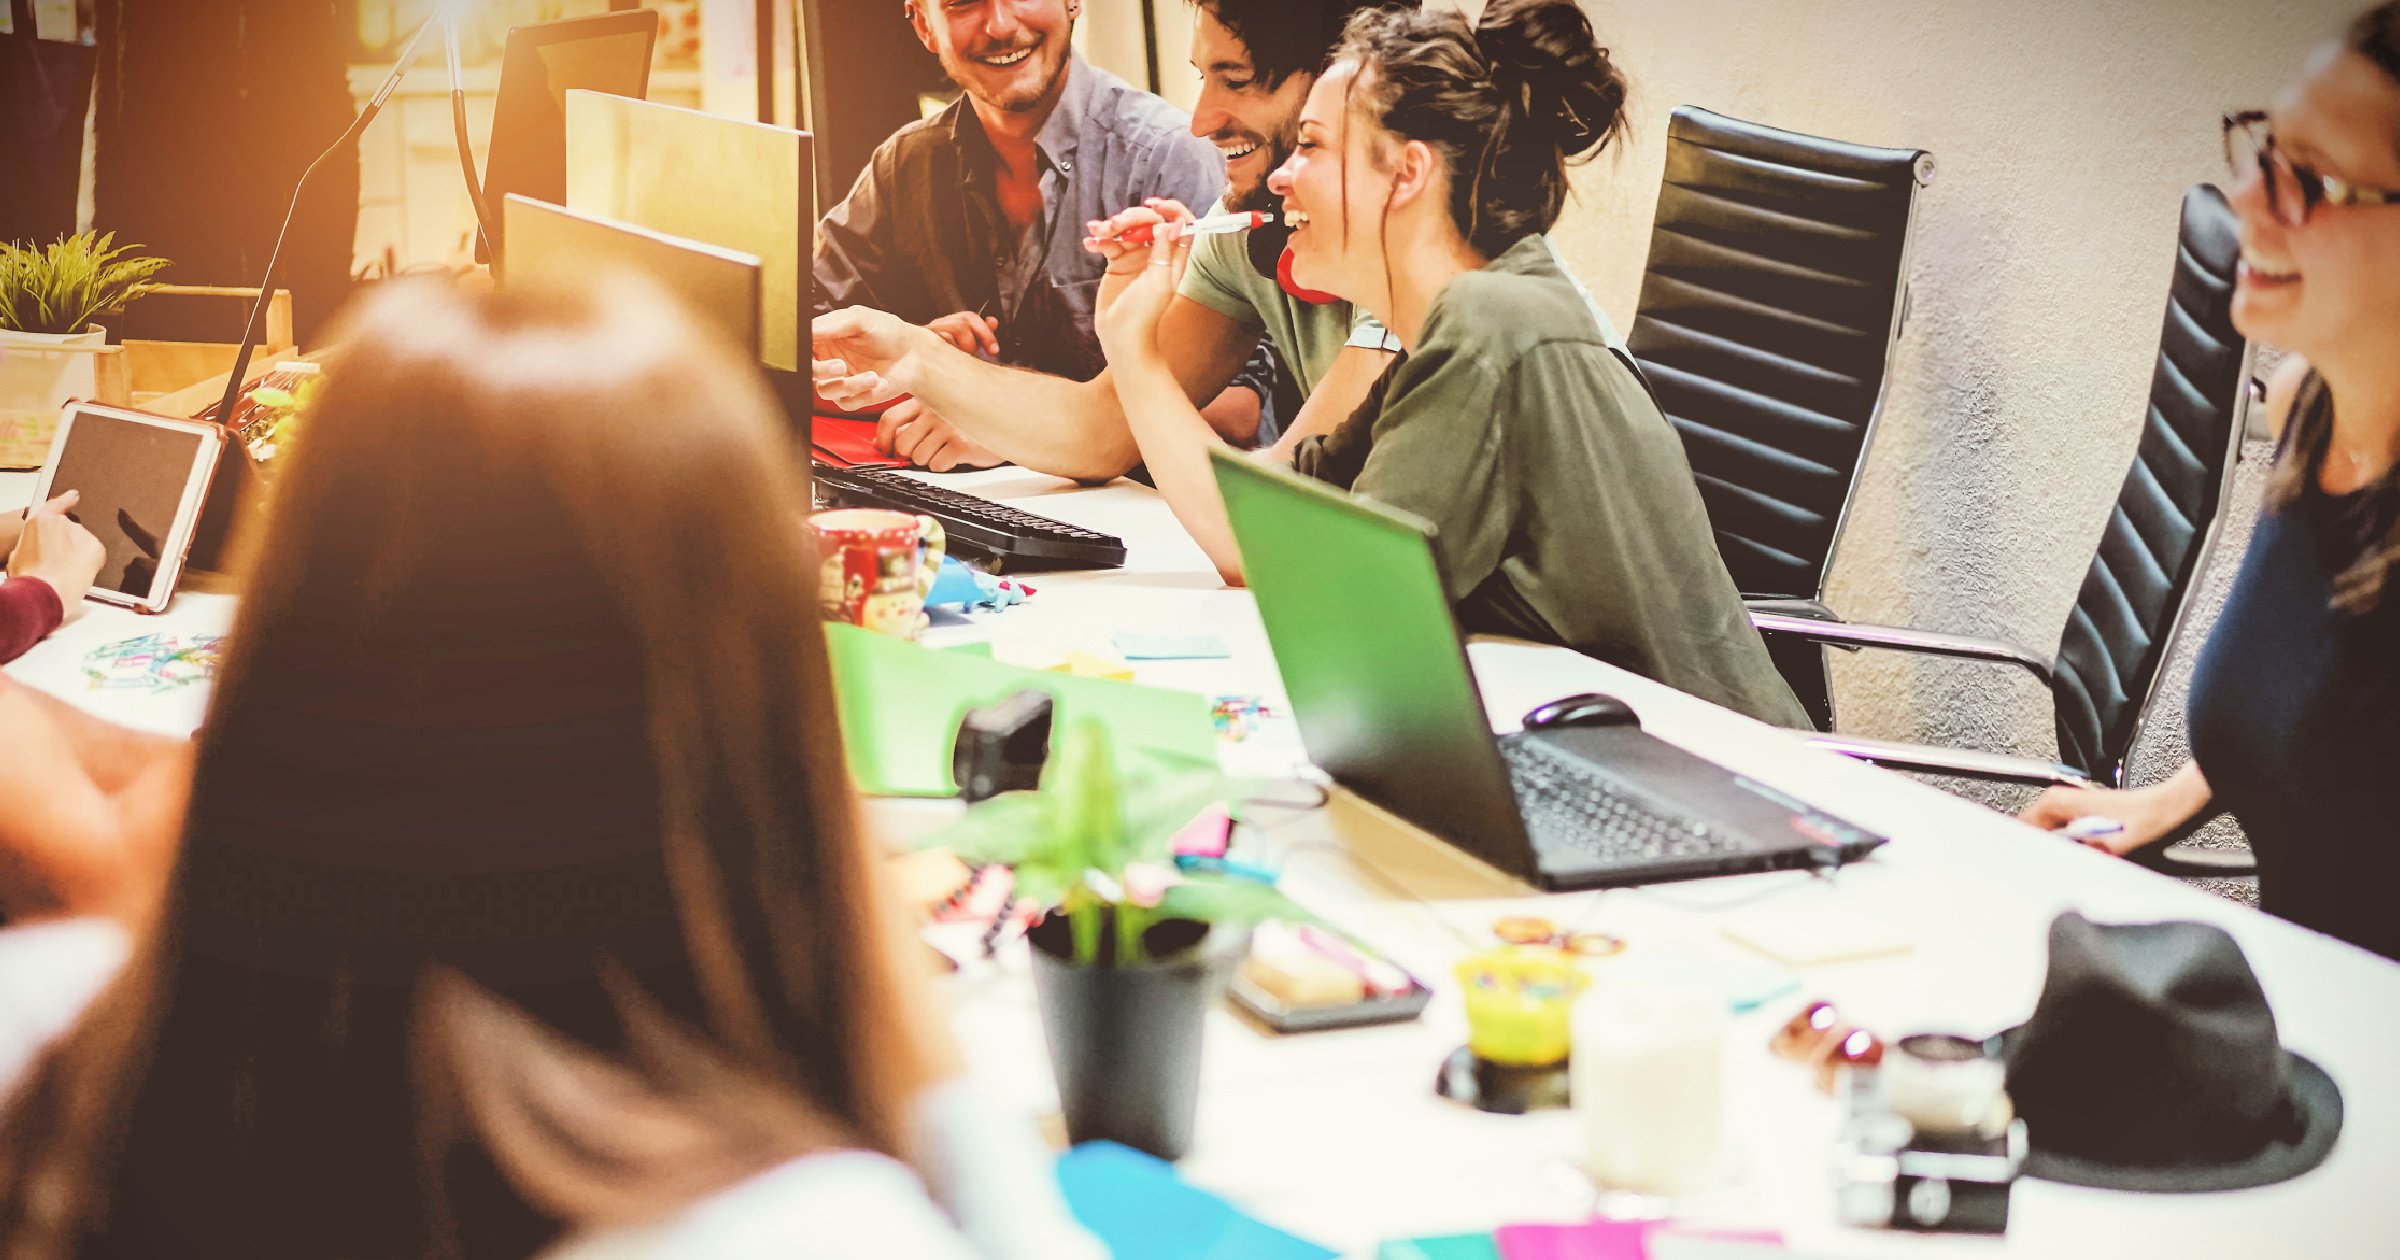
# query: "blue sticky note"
x,y
1170,647
1444,1247
1139,1206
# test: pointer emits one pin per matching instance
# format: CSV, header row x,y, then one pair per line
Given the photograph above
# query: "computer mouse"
x,y
1589,709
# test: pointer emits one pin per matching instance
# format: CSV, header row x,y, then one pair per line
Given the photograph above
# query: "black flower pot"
x,y
1125,1041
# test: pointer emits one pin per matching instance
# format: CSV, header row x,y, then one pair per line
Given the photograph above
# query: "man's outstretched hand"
x,y
861,356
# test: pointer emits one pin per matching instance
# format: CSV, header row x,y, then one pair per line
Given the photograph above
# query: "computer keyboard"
x,y
996,532
1565,801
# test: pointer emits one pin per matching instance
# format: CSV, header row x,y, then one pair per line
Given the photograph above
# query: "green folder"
x,y
900,707
1445,1247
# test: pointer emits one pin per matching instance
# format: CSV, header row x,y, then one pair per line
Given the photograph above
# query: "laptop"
x,y
1353,600
600,52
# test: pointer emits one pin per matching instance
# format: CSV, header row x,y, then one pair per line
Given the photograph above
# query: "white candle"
x,y
1648,1081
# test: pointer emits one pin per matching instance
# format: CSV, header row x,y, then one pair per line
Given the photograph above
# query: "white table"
x,y
1337,1136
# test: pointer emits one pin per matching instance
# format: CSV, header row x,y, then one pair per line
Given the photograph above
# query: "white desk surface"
x,y
1338,1137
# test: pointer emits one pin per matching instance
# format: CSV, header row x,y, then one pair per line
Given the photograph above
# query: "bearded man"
x,y
970,223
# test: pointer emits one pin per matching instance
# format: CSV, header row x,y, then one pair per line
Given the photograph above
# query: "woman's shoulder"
x,y
1520,301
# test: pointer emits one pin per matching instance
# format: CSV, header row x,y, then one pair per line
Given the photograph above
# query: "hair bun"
x,y
1544,57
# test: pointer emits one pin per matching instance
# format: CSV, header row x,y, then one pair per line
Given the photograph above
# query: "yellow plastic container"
x,y
1518,998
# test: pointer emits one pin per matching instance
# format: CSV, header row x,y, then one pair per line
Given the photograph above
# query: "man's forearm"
x,y
1046,423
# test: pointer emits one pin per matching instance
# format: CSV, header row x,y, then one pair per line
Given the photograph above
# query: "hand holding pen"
x,y
1111,239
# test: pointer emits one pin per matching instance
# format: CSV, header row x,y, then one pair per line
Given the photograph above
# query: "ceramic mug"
x,y
1944,1083
878,565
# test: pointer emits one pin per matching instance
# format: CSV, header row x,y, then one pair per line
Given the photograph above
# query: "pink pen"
x,y
1243,222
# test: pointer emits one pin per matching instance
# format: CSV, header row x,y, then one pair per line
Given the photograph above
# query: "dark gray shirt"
x,y
922,235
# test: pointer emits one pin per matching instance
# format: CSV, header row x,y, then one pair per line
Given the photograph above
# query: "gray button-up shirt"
x,y
922,235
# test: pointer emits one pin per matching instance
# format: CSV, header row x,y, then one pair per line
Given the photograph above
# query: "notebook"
x,y
1143,1210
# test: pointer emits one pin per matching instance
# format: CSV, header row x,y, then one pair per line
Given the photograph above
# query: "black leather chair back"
x,y
2165,521
1768,311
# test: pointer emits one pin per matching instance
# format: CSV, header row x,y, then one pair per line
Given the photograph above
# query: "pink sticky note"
x,y
1204,836
1604,1240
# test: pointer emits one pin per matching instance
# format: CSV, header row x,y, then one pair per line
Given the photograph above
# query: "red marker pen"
x,y
1140,234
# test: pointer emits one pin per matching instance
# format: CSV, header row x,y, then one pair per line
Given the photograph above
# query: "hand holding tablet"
x,y
130,485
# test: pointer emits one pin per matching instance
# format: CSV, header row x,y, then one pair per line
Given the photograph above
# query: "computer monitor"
x,y
730,183
552,245
604,52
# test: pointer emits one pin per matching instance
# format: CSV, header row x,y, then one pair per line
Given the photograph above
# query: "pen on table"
x,y
1139,234
2090,827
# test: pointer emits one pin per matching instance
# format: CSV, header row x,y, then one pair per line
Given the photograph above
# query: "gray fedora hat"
x,y
2152,1063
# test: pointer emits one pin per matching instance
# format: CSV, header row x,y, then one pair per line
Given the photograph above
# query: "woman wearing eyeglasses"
x,y
2295,706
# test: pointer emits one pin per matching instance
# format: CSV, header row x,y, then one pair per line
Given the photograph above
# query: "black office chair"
x,y
2156,546
1775,290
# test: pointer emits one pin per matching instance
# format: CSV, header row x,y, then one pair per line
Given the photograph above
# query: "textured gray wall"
x,y
2065,134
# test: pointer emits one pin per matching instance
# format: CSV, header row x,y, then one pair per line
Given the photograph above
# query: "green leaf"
x,y
61,289
1008,828
1215,899
1082,814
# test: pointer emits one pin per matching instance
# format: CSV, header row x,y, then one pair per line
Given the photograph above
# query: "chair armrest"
x,y
1966,763
2189,862
1778,605
2172,856
1854,634
2168,857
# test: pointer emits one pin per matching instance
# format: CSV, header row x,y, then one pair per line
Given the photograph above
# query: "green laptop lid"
x,y
1351,594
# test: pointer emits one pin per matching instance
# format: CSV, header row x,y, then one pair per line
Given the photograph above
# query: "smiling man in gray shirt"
x,y
972,222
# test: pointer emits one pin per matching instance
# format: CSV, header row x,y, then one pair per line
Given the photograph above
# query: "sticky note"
x,y
1086,665
1170,647
1804,936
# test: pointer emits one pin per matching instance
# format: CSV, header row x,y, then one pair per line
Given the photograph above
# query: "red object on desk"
x,y
848,443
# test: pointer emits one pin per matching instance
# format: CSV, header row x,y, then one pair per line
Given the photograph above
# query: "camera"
x,y
1889,1176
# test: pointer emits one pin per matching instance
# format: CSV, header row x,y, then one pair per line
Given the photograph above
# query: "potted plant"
x,y
48,342
1126,964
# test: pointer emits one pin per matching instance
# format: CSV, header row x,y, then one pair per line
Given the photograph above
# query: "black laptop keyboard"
x,y
1566,802
974,525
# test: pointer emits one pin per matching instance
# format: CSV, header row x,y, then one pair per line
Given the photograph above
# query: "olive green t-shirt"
x,y
1307,336
1564,508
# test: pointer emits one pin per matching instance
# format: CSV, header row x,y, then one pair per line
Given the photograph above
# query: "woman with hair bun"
x,y
1432,157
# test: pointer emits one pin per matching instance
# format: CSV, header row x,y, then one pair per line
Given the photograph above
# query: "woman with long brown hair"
x,y
2295,708
525,706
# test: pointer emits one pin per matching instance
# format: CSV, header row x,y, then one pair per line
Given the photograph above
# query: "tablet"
x,y
143,479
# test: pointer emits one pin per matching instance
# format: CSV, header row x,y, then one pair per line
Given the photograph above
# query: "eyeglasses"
x,y
2294,191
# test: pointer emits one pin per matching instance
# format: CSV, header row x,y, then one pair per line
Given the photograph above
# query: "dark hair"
x,y
2308,433
2375,35
2308,429
1507,103
525,676
1288,37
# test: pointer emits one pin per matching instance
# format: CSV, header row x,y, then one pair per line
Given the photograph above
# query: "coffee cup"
x,y
1945,1083
877,567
